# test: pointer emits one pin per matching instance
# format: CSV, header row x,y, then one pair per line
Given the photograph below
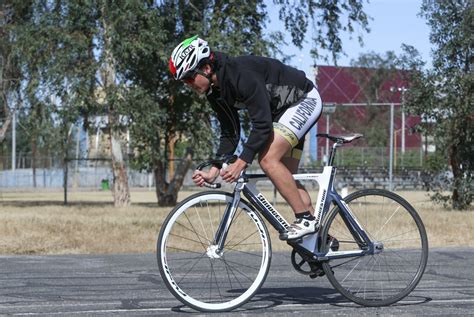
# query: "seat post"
x,y
333,153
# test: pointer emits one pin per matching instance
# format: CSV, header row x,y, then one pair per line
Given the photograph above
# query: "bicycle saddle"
x,y
341,138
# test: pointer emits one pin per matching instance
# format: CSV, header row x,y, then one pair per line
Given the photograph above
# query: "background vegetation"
x,y
63,63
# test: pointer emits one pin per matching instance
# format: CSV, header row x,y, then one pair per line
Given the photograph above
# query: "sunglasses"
x,y
189,77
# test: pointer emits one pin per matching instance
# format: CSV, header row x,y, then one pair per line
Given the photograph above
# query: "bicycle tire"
x,y
185,260
387,277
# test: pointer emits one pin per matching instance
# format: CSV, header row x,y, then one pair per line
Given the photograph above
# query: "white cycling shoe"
x,y
300,228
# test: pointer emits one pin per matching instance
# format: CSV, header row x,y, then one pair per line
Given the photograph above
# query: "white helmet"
x,y
187,55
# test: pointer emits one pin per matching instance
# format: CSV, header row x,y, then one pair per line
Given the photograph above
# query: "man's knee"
x,y
267,163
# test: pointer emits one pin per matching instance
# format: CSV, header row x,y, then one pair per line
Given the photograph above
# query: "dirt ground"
x,y
37,222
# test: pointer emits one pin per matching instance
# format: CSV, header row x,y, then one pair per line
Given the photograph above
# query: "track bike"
x,y
214,249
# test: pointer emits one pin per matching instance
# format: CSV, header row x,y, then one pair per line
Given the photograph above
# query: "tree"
x,y
326,18
11,13
78,51
66,56
444,95
164,115
173,116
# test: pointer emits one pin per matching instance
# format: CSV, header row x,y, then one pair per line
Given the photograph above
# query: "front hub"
x,y
213,253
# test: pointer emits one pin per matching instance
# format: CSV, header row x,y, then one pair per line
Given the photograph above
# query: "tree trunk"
x,y
121,191
5,126
167,192
457,199
120,188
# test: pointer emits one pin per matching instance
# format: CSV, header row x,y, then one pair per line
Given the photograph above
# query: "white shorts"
x,y
297,120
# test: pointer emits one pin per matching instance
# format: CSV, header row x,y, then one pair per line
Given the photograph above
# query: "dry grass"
x,y
37,223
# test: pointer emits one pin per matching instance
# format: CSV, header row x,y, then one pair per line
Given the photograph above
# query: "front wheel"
x,y
194,271
394,270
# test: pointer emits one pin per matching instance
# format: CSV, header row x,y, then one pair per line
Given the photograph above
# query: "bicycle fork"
x,y
217,248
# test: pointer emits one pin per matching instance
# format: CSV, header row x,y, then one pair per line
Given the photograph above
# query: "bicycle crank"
x,y
306,266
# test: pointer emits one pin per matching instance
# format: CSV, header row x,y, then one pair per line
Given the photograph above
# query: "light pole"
x,y
390,168
402,90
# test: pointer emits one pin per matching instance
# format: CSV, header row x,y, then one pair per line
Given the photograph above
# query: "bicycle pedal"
x,y
317,274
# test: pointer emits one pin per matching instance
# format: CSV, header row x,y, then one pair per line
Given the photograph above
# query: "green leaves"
x,y
81,59
444,94
326,18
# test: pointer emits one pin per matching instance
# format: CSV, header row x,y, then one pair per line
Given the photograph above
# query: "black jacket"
x,y
265,87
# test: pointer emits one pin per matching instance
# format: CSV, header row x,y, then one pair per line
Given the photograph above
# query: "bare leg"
x,y
270,160
292,165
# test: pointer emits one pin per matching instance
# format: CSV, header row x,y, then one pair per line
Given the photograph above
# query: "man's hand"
x,y
232,172
199,177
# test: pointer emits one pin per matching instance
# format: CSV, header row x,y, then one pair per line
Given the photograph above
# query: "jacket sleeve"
x,y
253,93
228,118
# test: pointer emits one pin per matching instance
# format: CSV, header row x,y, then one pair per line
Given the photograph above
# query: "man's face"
x,y
198,82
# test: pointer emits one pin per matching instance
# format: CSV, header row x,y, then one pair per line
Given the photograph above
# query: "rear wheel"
x,y
383,278
194,270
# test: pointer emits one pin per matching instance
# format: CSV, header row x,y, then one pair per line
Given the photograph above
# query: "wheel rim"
x,y
198,275
386,277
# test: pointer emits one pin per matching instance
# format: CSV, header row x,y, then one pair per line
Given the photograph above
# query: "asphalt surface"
x,y
130,285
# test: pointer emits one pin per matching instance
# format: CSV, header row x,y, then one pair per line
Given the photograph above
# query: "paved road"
x,y
130,285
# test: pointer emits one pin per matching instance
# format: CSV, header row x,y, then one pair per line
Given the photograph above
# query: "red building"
x,y
348,88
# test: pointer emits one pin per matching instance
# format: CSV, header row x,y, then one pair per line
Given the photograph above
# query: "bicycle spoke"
x,y
244,239
195,263
244,252
228,267
238,271
200,220
393,214
348,261
193,230
210,219
241,264
185,238
398,235
192,268
390,273
181,249
215,278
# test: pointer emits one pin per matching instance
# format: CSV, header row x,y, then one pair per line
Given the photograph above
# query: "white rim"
x,y
261,274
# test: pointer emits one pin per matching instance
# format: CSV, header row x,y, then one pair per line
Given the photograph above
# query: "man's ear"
x,y
207,69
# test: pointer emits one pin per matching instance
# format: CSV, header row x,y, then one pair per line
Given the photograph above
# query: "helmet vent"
x,y
193,60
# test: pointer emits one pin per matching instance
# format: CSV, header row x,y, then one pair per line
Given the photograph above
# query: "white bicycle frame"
x,y
246,184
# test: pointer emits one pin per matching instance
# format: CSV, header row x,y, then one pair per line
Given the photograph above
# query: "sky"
x,y
393,22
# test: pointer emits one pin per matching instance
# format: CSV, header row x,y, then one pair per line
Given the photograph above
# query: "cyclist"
x,y
282,104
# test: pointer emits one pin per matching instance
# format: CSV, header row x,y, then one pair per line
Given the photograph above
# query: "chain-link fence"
x,y
358,167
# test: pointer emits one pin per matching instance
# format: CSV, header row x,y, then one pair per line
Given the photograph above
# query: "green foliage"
x,y
372,72
373,125
81,59
327,21
443,95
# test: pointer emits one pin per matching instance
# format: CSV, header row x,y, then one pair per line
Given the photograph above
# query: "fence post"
x,y
65,172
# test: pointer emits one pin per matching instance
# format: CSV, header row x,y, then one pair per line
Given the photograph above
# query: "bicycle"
x,y
371,245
